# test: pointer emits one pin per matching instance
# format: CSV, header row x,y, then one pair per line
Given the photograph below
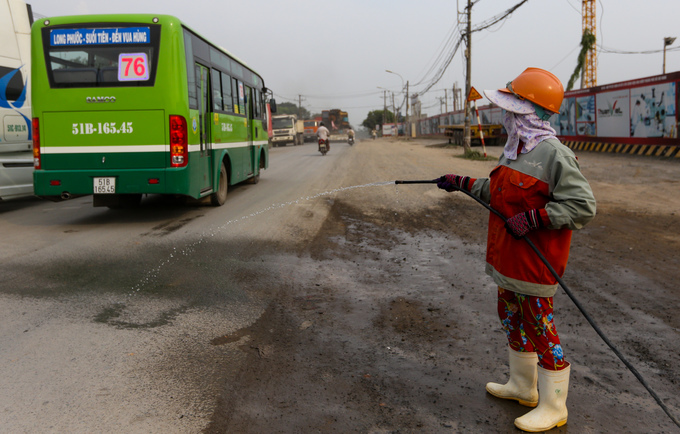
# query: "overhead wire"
x,y
484,25
614,51
450,40
438,67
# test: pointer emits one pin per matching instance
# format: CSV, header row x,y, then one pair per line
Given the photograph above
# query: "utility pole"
x,y
457,99
299,106
384,109
407,103
446,100
666,42
394,107
468,73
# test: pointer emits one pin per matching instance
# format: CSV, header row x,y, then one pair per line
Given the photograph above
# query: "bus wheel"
x,y
220,196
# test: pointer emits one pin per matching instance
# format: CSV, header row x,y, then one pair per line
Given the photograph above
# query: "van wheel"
x,y
220,196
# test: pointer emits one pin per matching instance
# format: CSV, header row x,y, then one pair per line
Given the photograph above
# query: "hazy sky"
x,y
335,53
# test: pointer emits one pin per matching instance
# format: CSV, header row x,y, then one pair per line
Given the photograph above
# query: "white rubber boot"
x,y
552,408
522,384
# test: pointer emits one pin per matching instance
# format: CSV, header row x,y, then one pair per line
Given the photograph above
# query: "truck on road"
x,y
286,129
456,134
311,126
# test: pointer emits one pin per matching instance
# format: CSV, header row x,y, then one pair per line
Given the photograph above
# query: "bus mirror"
x,y
272,105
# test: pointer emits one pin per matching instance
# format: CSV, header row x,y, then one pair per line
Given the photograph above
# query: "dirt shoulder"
x,y
385,322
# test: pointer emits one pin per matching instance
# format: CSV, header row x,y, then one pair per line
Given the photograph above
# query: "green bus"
x,y
126,105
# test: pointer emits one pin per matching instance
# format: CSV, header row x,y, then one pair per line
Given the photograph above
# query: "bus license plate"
x,y
105,185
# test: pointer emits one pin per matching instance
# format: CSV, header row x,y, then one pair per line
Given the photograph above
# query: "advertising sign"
x,y
585,116
564,122
653,111
613,113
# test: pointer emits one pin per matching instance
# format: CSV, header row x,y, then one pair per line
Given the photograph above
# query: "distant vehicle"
x,y
324,146
287,129
16,157
337,122
456,134
126,105
310,130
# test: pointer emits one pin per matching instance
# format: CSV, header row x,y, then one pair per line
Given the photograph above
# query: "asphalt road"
x,y
108,315
324,300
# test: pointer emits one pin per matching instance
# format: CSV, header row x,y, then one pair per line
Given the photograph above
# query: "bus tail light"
x,y
36,143
179,141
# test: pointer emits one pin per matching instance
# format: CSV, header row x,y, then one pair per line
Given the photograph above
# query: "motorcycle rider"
x,y
350,135
322,133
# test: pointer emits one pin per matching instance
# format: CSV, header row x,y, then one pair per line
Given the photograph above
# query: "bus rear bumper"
x,y
60,185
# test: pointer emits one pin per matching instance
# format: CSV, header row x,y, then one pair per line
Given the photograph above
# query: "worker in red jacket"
x,y
538,186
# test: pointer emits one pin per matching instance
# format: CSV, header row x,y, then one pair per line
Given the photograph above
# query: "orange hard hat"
x,y
538,86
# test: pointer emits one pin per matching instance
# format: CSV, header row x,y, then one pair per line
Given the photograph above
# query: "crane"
x,y
586,65
589,77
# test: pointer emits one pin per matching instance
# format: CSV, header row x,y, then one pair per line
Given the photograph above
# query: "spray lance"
x,y
571,296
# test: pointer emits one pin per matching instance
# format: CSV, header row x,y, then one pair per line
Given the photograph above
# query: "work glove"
x,y
453,182
521,224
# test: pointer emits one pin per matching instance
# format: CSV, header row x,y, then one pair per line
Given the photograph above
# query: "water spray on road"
x,y
187,250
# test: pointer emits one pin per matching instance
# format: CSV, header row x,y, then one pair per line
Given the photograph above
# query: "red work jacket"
x,y
512,192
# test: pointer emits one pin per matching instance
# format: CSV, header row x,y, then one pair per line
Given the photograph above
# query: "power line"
x,y
355,95
498,18
482,26
450,40
614,51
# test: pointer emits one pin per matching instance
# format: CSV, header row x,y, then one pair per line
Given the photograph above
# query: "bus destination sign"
x,y
99,36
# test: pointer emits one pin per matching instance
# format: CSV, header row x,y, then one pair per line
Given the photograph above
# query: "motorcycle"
x,y
350,140
324,146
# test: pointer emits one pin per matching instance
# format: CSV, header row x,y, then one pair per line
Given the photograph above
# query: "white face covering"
x,y
526,128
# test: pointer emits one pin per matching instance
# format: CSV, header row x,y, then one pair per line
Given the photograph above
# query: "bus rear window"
x,y
94,56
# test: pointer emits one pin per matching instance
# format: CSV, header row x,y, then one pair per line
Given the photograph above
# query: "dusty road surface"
x,y
325,299
383,321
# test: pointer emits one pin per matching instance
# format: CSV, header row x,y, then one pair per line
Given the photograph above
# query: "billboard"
x,y
653,111
613,113
637,109
641,111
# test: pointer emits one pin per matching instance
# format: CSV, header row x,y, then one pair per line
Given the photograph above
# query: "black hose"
x,y
571,296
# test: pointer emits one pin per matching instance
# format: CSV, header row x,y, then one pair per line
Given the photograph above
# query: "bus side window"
x,y
241,91
226,93
256,104
217,90
191,73
249,102
234,94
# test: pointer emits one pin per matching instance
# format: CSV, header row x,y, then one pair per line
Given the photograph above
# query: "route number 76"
x,y
133,67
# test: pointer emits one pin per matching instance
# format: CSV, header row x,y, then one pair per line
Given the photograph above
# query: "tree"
x,y
375,117
587,42
289,108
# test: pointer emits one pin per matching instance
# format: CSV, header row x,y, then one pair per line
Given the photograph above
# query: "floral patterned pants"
x,y
528,324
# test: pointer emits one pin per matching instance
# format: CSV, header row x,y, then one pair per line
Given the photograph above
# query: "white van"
x,y
16,136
